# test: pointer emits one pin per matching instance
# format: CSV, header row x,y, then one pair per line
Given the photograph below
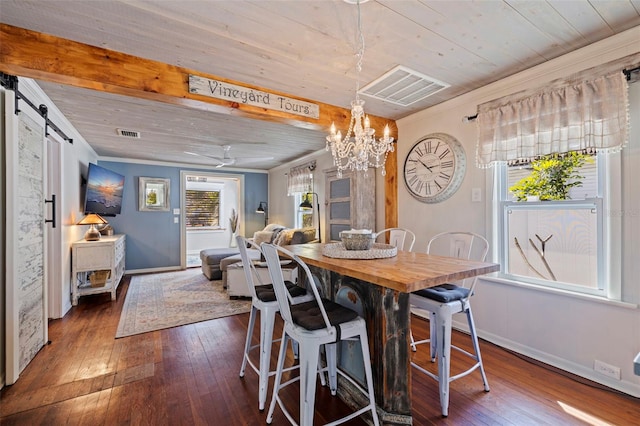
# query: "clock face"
x,y
434,168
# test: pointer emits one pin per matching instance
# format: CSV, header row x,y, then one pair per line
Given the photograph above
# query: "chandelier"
x,y
359,149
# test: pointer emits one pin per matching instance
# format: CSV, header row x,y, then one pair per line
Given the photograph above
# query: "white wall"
x,y
565,331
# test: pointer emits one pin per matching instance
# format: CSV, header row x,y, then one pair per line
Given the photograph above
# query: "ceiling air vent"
x,y
128,133
403,86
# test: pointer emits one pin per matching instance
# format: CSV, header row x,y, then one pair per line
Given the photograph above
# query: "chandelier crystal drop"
x,y
359,149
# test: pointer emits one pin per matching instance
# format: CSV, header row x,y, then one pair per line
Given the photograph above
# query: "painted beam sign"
x,y
245,95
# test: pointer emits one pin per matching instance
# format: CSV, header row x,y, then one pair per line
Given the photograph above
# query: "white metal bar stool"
x,y
263,299
398,237
443,302
313,325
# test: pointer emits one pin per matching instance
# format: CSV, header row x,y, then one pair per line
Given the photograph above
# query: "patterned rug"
x,y
170,299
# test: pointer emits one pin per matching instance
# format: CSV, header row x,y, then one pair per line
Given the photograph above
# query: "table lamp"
x,y
92,219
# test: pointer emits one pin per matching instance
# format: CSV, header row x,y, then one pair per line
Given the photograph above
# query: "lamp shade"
x,y
262,209
306,205
92,219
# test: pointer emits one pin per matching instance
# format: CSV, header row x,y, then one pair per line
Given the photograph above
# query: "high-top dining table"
x,y
383,286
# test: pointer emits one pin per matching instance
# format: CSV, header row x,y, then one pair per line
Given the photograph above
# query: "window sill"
x,y
560,292
205,228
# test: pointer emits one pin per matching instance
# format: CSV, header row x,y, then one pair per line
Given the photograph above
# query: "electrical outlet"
x,y
606,369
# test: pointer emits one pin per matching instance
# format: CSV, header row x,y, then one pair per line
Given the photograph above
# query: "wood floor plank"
x,y
189,375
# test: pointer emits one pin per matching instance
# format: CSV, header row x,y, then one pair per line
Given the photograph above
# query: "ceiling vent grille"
x,y
403,86
128,133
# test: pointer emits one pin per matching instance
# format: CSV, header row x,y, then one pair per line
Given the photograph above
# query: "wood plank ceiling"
x,y
302,48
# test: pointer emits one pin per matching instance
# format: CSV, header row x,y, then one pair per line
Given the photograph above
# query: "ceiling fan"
x,y
228,160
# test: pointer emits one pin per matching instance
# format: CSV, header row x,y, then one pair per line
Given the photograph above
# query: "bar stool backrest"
x,y
272,255
461,245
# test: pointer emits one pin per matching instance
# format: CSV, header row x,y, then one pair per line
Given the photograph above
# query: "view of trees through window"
x,y
202,208
555,243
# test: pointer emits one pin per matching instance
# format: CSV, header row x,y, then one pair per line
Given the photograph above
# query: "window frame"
x,y
608,200
299,213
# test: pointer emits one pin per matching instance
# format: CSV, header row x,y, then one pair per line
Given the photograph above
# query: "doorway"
x,y
209,201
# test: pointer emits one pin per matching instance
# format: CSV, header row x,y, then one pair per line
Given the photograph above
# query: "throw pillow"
x,y
309,234
284,238
260,237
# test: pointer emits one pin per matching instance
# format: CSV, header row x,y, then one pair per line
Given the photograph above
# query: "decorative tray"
x,y
378,251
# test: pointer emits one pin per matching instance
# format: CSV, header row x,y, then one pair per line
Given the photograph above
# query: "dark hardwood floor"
x,y
189,376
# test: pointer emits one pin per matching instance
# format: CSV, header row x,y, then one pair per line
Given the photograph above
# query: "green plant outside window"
x,y
551,177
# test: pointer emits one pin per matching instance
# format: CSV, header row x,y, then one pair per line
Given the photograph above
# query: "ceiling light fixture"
x,y
359,149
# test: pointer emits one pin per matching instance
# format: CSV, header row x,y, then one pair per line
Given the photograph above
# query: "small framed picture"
x,y
153,194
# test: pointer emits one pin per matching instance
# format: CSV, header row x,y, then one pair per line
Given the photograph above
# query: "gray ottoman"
x,y
211,261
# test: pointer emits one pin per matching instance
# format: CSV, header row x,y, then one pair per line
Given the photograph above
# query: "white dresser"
x,y
97,257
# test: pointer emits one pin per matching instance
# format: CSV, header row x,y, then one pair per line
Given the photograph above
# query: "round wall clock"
x,y
434,168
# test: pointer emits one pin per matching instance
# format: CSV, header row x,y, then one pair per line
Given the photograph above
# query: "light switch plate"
x,y
176,211
476,195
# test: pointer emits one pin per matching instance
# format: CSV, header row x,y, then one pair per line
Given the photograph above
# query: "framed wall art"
x,y
153,194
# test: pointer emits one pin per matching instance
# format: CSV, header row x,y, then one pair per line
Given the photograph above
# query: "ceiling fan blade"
x,y
213,157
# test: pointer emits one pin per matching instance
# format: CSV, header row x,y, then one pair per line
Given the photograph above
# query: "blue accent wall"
x,y
153,240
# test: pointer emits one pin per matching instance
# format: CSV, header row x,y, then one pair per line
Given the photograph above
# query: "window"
x,y
556,244
304,217
576,245
202,208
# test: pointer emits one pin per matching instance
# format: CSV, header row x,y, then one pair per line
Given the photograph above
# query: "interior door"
x,y
26,295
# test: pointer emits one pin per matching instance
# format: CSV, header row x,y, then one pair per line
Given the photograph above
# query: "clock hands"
x,y
424,164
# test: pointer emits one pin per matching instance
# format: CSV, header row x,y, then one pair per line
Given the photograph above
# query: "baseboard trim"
x,y
153,270
626,387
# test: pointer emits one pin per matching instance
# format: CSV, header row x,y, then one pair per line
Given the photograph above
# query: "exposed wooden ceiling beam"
x,y
41,56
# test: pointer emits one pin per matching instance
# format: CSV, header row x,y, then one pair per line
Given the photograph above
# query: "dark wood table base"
x,y
387,313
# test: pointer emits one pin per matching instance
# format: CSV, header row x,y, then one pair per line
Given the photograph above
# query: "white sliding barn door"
x,y
26,295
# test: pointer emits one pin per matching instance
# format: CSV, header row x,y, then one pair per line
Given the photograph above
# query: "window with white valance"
x,y
300,179
587,111
570,244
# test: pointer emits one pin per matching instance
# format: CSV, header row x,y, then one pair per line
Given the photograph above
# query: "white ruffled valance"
x,y
586,112
300,179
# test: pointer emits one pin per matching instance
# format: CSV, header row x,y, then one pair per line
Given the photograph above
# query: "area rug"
x,y
170,299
